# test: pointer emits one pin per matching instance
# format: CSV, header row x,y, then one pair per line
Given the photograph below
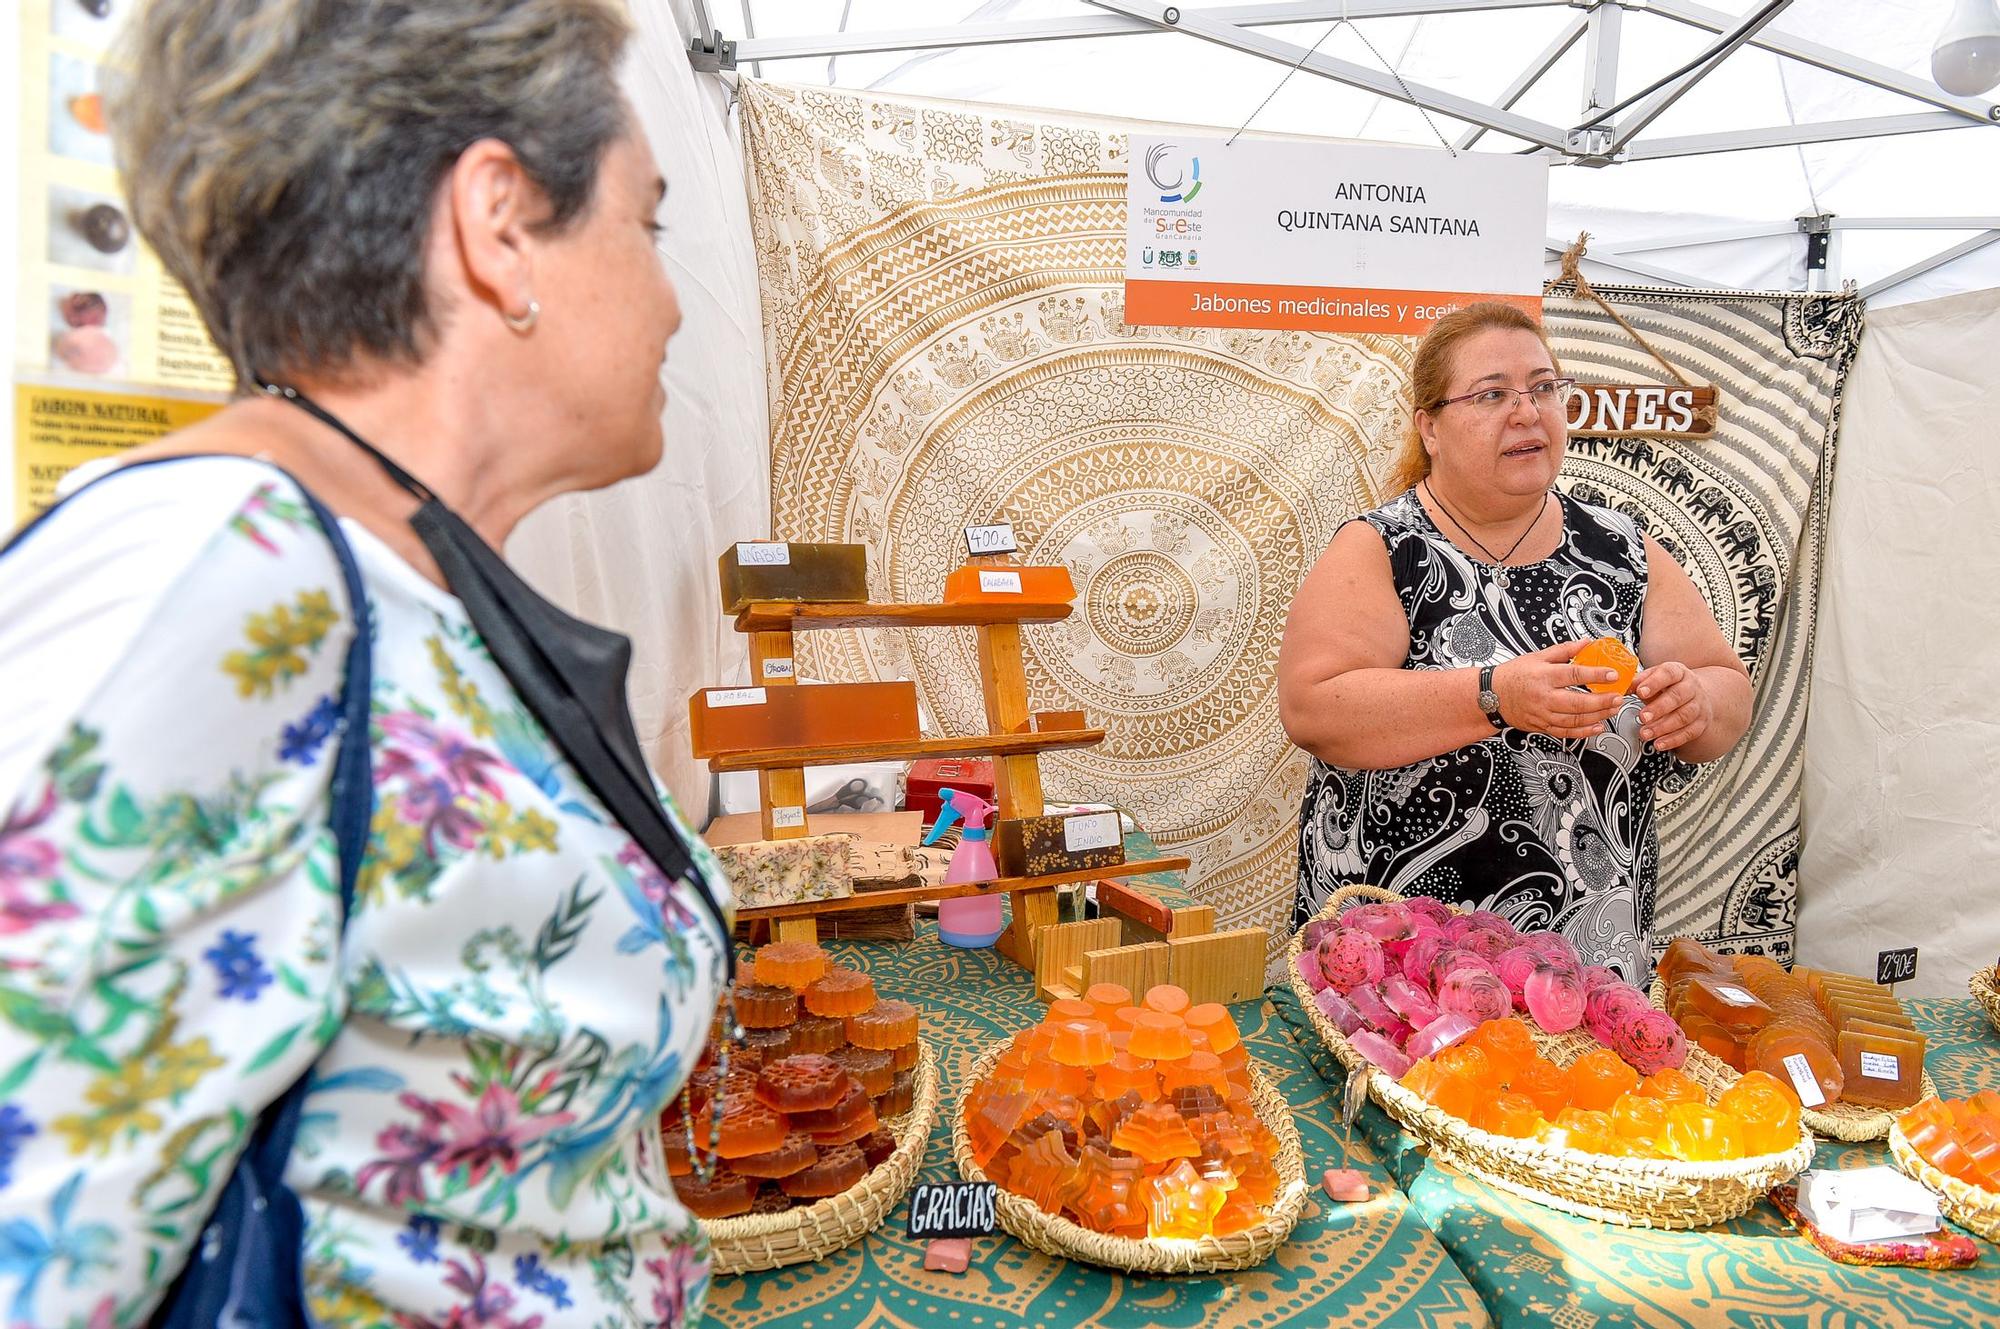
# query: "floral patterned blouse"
x,y
517,995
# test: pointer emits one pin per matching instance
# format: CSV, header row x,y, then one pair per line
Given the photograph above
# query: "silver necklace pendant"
x,y
1500,579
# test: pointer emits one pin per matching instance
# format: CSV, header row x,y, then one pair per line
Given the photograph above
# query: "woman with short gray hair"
x,y
346,944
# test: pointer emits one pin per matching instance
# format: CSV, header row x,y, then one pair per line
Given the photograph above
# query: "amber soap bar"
x,y
991,584
817,716
1881,1070
1044,846
809,574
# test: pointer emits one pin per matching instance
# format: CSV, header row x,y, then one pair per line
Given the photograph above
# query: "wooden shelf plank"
x,y
918,894
972,745
785,616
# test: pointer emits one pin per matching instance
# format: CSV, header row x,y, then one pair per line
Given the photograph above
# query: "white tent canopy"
x,y
1681,202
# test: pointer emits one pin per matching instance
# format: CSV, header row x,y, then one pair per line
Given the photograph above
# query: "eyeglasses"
x,y
1544,396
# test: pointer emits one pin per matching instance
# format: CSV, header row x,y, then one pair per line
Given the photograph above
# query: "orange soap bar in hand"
x,y
1009,584
1609,653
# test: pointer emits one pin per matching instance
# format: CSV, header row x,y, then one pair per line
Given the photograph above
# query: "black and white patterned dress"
x,y
1550,833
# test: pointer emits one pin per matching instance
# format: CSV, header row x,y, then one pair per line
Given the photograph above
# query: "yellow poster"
x,y
95,306
57,429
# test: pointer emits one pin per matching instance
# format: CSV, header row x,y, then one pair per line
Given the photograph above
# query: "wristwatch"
x,y
1489,700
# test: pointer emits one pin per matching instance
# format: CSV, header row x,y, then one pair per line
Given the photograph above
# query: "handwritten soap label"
x,y
788,817
1896,966
778,668
1000,583
1881,1066
995,539
951,1209
1734,996
1092,830
756,554
723,698
1804,1080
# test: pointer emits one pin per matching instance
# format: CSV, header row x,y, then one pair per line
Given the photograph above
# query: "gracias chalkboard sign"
x,y
1642,410
951,1209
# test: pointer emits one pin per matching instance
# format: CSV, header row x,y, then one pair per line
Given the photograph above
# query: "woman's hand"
x,y
1537,693
1678,708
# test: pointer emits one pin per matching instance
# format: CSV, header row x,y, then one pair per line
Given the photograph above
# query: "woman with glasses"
x,y
1427,667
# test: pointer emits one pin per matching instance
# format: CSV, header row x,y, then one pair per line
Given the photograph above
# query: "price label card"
x,y
791,816
722,698
1734,996
995,539
758,554
1881,1066
1803,1080
1896,966
951,1209
778,668
1000,583
1091,830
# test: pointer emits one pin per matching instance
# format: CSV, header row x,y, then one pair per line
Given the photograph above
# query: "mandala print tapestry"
x,y
943,307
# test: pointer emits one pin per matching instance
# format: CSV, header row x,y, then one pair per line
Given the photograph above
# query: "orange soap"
x,y
886,1024
1672,1085
1578,1128
760,1007
1508,1044
789,964
1609,653
1181,1204
1064,1009
1155,1134
1197,1068
1696,1133
1167,997
748,1127
1085,1042
835,1170
873,1067
1512,1115
840,992
796,1154
1045,1172
1727,1002
818,1033
877,1146
723,720
1639,1119
906,1056
1160,1037
802,1083
770,1044
900,1097
1800,1060
1767,1114
1124,1074
1107,999
724,1195
1051,1075
1239,1213
1880,1070
1544,1084
846,1121
990,1120
1599,1078
1105,1198
1213,1019
1685,955
1010,584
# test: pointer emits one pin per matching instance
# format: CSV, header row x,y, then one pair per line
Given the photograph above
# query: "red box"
x,y
974,775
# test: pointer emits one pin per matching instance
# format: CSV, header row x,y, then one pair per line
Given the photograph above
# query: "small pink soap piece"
x,y
1345,1184
952,1254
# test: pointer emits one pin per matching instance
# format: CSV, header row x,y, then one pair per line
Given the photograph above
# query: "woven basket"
x,y
1634,1192
1984,985
1971,1207
1850,1123
1059,1236
752,1242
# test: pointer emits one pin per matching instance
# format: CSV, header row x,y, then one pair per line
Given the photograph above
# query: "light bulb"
x,y
1966,59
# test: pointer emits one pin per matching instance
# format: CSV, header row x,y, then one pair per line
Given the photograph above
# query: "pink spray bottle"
x,y
971,920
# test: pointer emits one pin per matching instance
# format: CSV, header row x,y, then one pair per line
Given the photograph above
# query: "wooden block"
x,y
1222,966
1136,968
794,929
1062,945
1195,920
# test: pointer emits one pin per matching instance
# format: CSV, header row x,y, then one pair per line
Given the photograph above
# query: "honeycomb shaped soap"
x,y
1045,1172
1105,1199
840,992
873,1067
797,1153
818,1033
836,1169
748,1127
807,1082
760,1007
886,1024
674,1148
1084,1042
1213,1019
1168,998
901,1096
1159,1036
1181,1204
852,1117
770,1044
877,1146
1156,1133
724,1195
788,964
768,1199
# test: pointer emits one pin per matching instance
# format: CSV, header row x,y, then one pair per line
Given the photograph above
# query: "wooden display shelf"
x,y
1000,886
972,745
786,616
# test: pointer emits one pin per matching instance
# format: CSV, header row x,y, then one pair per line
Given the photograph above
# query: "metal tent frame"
x,y
1608,131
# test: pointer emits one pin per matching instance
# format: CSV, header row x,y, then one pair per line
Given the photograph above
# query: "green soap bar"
x,y
808,574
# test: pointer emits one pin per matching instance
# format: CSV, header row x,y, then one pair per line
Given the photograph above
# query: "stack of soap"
x,y
826,1063
1881,1053
822,715
1960,1137
1131,1118
1045,846
803,573
1012,584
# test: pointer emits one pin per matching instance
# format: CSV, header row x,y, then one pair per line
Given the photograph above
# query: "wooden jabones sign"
x,y
1642,410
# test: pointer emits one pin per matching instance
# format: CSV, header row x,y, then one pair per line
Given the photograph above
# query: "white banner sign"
x,y
1327,237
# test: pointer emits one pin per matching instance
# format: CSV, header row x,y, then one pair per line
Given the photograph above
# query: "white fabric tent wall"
x,y
1902,786
640,557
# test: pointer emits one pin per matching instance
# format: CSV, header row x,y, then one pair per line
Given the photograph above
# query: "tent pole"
x,y
1938,260
1529,76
